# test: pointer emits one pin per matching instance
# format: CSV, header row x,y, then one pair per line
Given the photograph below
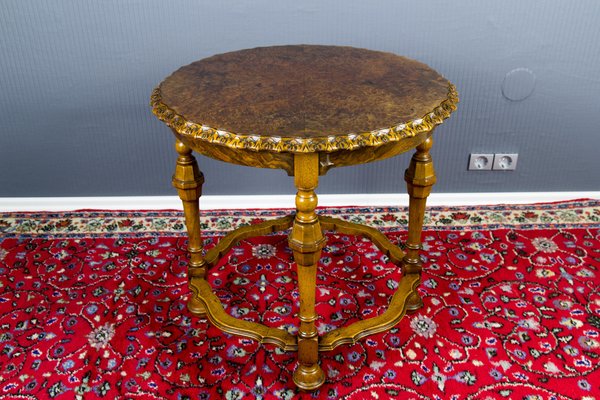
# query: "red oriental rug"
x,y
92,305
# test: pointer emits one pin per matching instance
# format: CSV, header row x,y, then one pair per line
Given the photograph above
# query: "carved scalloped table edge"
x,y
326,143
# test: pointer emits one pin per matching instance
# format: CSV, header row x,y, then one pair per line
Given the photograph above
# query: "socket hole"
x,y
481,162
505,162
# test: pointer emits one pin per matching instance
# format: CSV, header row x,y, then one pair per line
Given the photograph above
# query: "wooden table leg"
x,y
419,178
306,241
188,181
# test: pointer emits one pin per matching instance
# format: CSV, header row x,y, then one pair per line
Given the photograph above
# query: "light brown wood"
x,y
398,303
419,178
188,181
350,334
362,155
396,309
306,241
250,158
219,317
202,291
321,107
377,238
234,237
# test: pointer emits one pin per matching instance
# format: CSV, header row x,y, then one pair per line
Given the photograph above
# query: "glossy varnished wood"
x,y
396,309
419,177
250,158
349,334
297,108
221,319
303,91
234,237
362,155
188,181
306,241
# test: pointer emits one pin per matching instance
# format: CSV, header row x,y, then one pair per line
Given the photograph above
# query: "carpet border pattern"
x,y
583,213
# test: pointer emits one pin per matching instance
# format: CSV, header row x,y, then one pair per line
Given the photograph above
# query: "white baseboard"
x,y
278,201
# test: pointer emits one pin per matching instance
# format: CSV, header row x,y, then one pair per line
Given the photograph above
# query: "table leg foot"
x,y
309,378
195,307
414,303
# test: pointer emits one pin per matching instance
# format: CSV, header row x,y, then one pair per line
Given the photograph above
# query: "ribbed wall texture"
x,y
76,75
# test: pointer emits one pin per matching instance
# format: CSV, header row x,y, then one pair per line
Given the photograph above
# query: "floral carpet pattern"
x,y
92,305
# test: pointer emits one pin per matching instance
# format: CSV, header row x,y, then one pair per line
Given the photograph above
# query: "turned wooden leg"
x,y
419,178
188,181
306,241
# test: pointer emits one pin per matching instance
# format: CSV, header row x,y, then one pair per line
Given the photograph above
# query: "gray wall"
x,y
75,77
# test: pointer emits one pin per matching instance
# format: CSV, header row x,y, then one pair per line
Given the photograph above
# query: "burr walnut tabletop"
x,y
304,109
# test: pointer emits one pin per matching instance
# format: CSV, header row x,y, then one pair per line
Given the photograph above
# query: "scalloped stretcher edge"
x,y
325,143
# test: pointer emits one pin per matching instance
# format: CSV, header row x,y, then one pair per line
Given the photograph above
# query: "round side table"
x,y
304,109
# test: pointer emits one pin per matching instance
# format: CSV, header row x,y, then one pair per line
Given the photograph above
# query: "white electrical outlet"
x,y
481,162
505,162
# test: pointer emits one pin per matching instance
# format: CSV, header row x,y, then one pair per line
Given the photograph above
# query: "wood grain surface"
x,y
303,91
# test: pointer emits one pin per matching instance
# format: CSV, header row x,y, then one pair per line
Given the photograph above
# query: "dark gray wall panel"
x,y
75,77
